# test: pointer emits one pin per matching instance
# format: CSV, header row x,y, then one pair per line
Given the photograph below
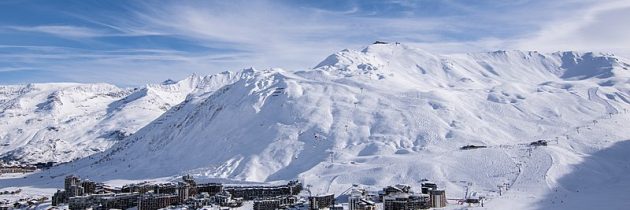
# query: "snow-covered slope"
x,y
61,122
389,114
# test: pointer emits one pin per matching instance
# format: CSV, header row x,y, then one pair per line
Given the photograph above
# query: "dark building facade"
x,y
274,203
437,198
89,187
104,201
153,201
254,192
405,201
321,202
210,188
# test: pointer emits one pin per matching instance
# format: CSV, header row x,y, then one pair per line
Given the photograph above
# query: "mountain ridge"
x,y
284,99
52,114
383,115
375,63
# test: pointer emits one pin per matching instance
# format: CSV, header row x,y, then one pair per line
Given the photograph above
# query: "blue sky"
x,y
131,43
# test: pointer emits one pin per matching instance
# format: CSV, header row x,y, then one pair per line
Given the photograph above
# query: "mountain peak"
x,y
377,54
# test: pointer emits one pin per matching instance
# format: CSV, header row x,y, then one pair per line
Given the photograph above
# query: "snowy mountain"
x,y
62,122
391,114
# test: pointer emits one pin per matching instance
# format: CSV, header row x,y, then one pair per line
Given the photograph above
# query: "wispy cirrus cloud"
x,y
122,67
62,30
80,32
598,27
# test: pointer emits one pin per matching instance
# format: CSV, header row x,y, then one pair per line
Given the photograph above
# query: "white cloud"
x,y
13,69
122,67
601,26
62,30
80,32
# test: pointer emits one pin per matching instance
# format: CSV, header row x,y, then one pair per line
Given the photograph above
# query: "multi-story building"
x,y
426,187
80,202
200,200
359,200
321,201
394,189
274,203
75,190
255,192
71,180
117,201
189,179
141,188
184,190
103,201
437,198
59,197
210,188
405,201
165,188
223,198
157,201
89,187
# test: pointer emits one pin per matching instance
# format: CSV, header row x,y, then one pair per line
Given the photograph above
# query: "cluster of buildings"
x,y
16,169
6,192
23,168
323,202
22,203
84,194
401,197
77,190
398,197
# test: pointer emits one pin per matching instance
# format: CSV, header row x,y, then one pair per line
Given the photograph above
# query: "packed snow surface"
x,y
384,115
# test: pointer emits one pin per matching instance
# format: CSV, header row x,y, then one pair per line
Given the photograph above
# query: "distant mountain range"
x,y
61,122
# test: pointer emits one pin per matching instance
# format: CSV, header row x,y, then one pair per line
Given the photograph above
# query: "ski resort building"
x,y
118,201
157,201
165,188
89,187
405,201
200,200
279,202
359,200
210,188
399,188
255,192
224,198
361,204
141,188
104,201
321,201
59,197
437,198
